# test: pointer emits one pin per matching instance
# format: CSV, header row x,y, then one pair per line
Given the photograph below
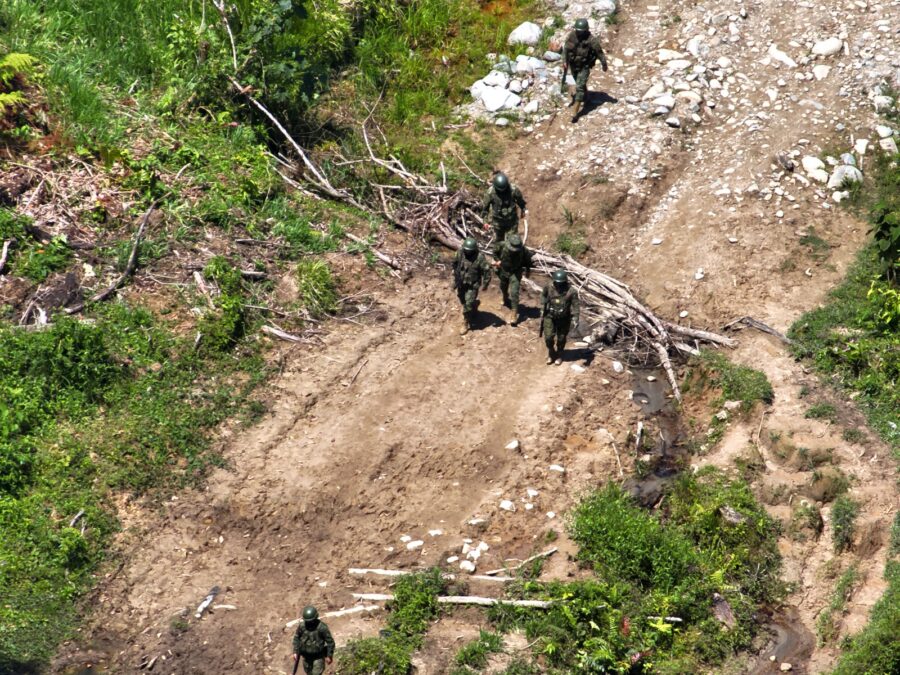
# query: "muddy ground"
x,y
398,426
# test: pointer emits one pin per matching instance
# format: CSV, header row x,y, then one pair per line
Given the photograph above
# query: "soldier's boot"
x,y
551,356
576,111
560,347
572,99
514,316
466,324
506,300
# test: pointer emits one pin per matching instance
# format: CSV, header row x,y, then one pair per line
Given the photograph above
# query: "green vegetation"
x,y
711,540
413,609
90,409
843,522
736,382
822,411
825,623
475,654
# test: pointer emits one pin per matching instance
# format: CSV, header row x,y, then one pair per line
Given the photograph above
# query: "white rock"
x,y
661,110
884,131
467,566
512,101
828,47
656,241
435,533
655,90
473,554
413,545
820,175
452,559
848,159
666,55
689,97
507,505
577,368
496,79
821,71
515,86
550,56
883,103
780,56
842,173
557,468
482,546
683,314
673,122
732,405
678,64
811,163
888,145
494,98
699,274
512,445
501,122
665,101
723,62
618,367
551,515
525,34
531,107
405,538
603,7
529,506
861,145
477,89
532,493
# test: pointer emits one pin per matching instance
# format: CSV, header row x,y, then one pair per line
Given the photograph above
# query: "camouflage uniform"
x,y
503,211
560,311
512,262
313,645
470,273
581,55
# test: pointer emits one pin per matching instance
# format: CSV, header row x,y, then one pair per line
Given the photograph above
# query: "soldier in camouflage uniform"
x,y
501,207
580,52
559,312
514,260
313,643
471,271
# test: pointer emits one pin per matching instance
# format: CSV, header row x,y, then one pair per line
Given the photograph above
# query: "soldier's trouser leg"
x,y
314,666
514,282
561,329
549,337
501,232
581,80
504,286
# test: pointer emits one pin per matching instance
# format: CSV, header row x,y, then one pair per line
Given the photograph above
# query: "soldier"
x,y
514,259
580,53
470,271
559,312
313,643
502,204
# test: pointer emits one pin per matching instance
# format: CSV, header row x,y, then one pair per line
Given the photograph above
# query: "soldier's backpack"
x,y
503,210
468,271
558,306
311,641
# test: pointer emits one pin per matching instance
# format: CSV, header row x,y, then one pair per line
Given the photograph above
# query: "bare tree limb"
x,y
4,254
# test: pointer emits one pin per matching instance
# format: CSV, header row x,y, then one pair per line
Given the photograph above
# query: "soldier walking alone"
x,y
559,312
471,271
580,52
514,260
313,643
501,208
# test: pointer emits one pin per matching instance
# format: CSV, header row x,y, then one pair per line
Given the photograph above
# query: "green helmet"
x,y
560,277
310,613
501,182
469,244
514,241
581,25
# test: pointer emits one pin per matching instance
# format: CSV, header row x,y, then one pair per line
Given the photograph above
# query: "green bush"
x,y
318,292
374,655
475,653
738,383
843,522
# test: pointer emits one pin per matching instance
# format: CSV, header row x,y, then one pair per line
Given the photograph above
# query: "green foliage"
x,y
843,522
475,653
884,215
90,408
738,383
318,292
572,243
821,411
29,257
413,609
848,341
13,66
825,623
711,537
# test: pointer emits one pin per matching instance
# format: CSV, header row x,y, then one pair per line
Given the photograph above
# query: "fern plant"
x,y
12,66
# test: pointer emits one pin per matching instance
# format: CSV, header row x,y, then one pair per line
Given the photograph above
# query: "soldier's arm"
x,y
329,641
544,294
576,308
486,204
600,54
519,199
485,273
567,48
297,641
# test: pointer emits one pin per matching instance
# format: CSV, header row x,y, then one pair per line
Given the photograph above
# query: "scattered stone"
x,y
821,71
577,368
405,538
618,367
888,145
666,55
883,103
502,122
550,56
665,101
603,8
780,56
690,97
732,405
723,62
722,611
732,515
512,445
811,164
820,175
828,47
557,468
656,241
673,122
683,314
551,515
861,145
884,131
848,159
678,64
452,559
722,415
467,566
531,492
496,79
515,86
525,34
507,505
531,107
435,533
477,89
413,545
699,274
845,173
785,161
786,667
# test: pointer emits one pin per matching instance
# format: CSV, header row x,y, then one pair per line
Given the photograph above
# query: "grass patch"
x,y
711,539
475,654
826,628
843,522
822,411
736,382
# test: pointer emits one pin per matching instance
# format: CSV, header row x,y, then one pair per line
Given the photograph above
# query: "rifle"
x,y
562,84
541,329
296,663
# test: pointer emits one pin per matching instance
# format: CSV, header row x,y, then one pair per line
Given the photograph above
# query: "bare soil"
x,y
397,426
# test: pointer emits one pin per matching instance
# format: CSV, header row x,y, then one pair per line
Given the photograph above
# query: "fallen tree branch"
x,y
750,322
282,335
545,554
130,266
393,263
339,613
361,571
462,600
4,254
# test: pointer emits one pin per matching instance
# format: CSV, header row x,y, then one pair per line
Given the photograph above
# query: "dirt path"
x,y
398,426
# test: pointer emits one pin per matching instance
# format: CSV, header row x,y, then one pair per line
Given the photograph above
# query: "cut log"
x,y
545,554
281,335
358,609
360,571
4,254
462,600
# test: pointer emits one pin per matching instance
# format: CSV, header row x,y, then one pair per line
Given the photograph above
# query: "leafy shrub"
x,y
13,66
738,383
475,654
318,292
822,411
843,522
825,624
374,655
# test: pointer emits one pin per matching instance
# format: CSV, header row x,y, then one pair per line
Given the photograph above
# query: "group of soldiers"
x,y
512,260
313,645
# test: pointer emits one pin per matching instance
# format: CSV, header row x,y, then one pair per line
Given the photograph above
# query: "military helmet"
x,y
501,182
514,241
560,277
310,613
469,244
581,25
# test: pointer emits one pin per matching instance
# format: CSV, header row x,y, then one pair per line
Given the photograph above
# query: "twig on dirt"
x,y
4,253
545,554
129,267
750,322
356,374
207,601
638,437
386,259
204,289
282,335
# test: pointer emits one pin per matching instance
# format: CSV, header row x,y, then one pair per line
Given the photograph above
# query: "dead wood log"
x,y
361,571
4,254
281,335
462,600
130,266
545,554
393,263
750,322
358,609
